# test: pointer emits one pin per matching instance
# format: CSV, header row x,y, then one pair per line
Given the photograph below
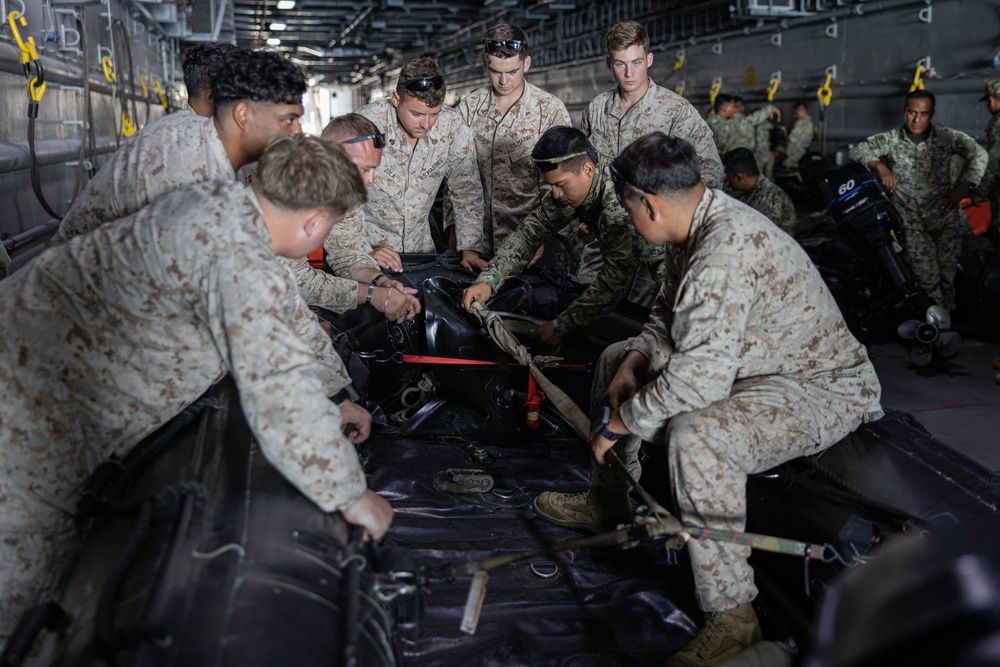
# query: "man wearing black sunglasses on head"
x,y
425,143
356,277
581,187
507,118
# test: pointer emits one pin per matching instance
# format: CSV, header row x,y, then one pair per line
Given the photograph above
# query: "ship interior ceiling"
x,y
468,574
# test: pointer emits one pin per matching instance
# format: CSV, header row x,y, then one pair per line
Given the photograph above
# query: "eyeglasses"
x,y
621,183
502,47
378,139
544,164
424,84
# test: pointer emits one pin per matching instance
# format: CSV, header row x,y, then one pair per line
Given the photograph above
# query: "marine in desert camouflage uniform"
x,y
202,64
912,163
581,186
754,189
257,95
426,143
355,277
751,365
133,322
636,106
507,118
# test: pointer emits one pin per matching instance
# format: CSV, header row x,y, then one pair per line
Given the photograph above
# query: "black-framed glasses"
x,y
544,164
620,182
502,47
378,139
423,84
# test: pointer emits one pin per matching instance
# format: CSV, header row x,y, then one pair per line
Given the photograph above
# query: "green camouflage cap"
x,y
992,88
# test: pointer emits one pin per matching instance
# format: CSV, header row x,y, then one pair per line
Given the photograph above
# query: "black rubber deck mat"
x,y
585,607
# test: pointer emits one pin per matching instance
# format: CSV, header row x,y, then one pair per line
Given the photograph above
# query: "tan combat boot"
x,y
725,634
595,511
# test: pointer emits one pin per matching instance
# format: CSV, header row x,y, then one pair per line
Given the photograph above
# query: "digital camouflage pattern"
x,y
741,131
347,249
110,335
934,231
319,288
408,180
511,186
799,139
158,159
755,367
621,248
773,202
611,129
989,186
762,148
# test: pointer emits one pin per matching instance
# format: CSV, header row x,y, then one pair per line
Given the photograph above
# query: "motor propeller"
x,y
931,337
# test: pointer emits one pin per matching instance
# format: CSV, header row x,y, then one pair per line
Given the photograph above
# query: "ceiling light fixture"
x,y
277,26
286,4
273,41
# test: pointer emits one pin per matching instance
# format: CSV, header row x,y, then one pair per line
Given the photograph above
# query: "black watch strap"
x,y
600,425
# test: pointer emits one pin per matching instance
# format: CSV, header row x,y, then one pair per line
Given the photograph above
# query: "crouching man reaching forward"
x,y
749,365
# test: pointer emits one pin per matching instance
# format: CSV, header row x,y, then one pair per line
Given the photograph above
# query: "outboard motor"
x,y
870,225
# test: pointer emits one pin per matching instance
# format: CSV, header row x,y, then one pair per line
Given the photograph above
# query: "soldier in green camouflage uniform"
x,y
735,130
989,186
762,148
755,190
581,186
918,183
799,137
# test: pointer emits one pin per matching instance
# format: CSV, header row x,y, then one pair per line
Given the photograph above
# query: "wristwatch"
x,y
600,425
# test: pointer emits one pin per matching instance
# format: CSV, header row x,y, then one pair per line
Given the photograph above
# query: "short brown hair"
x,y
302,172
349,126
504,32
421,68
625,34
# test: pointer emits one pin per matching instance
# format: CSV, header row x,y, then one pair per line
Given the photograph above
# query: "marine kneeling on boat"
x,y
105,338
743,364
581,187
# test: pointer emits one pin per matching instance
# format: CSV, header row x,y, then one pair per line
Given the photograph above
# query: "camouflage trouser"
x,y
764,422
934,239
31,564
765,162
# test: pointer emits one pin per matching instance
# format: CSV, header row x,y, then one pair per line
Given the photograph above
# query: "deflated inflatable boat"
x,y
201,554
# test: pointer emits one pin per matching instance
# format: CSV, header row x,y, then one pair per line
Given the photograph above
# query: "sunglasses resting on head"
x,y
502,47
378,139
424,84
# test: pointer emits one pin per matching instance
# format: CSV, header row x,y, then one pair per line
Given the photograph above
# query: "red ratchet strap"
x,y
534,402
454,361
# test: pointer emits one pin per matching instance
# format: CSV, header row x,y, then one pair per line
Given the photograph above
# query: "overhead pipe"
x,y
14,155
